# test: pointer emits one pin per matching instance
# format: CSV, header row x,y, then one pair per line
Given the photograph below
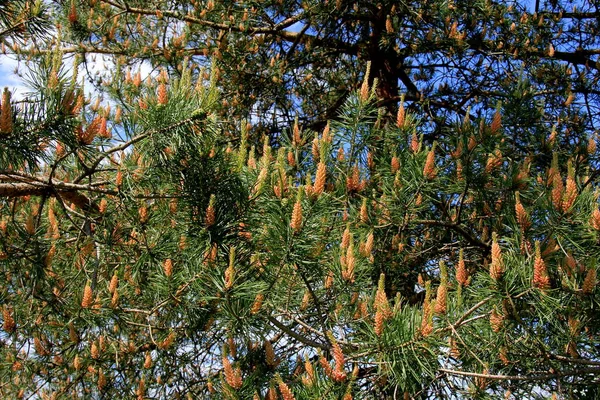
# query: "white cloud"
x,y
9,79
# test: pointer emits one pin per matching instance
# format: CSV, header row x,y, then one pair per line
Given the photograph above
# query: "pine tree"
x,y
398,200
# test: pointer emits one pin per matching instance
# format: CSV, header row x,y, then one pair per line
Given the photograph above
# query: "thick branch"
x,y
67,191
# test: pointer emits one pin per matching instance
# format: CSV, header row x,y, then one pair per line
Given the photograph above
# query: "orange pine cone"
x,y
590,281
353,181
364,89
326,367
441,303
557,191
229,276
522,217
168,267
114,282
114,299
497,265
72,13
101,379
103,129
494,161
309,378
570,194
162,94
339,375
119,178
286,392
496,123
569,99
592,146
395,164
454,351
429,171
270,354
315,150
462,275
364,213
233,377
345,238
9,325
414,143
141,389
496,321
379,322
426,320
209,219
381,301
401,116
143,213
77,362
369,245
88,296
168,341
329,280
348,271
541,280
296,222
6,118
389,28
257,305
94,351
503,356
296,138
320,179
458,151
595,219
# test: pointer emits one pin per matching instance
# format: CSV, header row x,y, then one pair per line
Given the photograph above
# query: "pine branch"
x,y
459,229
223,27
539,377
290,332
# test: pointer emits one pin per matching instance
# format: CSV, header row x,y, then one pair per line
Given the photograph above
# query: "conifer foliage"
x,y
314,200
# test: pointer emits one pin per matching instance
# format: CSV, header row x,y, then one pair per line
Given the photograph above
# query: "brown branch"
x,y
539,377
277,29
297,336
460,230
579,56
572,360
328,43
224,27
571,15
18,186
470,311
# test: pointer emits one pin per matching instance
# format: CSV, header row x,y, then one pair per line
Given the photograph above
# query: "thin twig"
x,y
539,377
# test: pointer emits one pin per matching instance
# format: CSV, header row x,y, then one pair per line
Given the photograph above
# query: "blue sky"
x,y
15,84
8,78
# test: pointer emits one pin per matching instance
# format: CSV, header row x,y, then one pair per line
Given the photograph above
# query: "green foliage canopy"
x,y
398,200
